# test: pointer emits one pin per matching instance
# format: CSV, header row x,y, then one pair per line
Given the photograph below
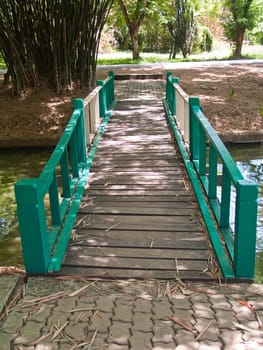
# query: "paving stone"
x,y
29,333
66,305
105,303
14,321
163,332
162,310
225,319
210,333
180,302
184,337
100,322
231,337
6,340
161,346
140,340
142,322
42,314
123,313
75,331
142,305
199,298
202,310
120,332
208,345
183,315
118,347
219,302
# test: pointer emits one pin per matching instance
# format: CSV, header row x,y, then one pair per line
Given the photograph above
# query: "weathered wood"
x,y
139,217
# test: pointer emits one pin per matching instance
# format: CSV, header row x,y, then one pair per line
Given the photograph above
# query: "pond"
x,y
14,165
17,164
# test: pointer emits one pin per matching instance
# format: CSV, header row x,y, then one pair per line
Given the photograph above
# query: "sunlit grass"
x,y
221,52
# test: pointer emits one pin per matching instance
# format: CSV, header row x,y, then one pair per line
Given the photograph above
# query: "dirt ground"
x,y
231,96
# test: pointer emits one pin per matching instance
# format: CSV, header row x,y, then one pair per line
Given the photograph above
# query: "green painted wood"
x,y
212,177
32,226
221,255
246,222
40,243
54,202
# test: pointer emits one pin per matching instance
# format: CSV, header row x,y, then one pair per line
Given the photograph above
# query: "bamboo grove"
x,y
51,41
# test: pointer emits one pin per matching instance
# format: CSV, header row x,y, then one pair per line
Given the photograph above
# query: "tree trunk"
x,y
135,44
239,43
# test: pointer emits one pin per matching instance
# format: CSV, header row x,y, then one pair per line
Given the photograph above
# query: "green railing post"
x,y
168,88
111,88
78,103
32,226
245,229
194,128
102,98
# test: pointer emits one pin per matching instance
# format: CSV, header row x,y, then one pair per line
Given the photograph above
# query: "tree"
x,y
134,16
239,18
55,41
182,27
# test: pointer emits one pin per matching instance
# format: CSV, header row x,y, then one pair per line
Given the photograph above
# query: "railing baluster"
x,y
54,201
212,183
202,153
65,176
225,199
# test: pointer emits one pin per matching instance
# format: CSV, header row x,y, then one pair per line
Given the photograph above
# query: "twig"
x,y
57,333
111,227
204,330
80,290
182,324
93,339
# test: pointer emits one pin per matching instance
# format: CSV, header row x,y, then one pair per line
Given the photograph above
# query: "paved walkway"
x,y
122,315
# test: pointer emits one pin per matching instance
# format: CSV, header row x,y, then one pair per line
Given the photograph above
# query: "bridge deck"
x,y
139,217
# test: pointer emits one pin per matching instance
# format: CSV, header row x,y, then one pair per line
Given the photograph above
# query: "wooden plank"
x,y
142,219
157,200
153,253
140,191
75,259
137,274
139,211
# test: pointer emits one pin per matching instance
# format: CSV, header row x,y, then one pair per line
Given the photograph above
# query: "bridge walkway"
x,y
139,217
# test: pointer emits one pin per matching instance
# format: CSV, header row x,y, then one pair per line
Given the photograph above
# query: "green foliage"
x,y
239,18
182,27
52,41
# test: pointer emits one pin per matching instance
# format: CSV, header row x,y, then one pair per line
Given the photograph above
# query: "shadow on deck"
x,y
139,217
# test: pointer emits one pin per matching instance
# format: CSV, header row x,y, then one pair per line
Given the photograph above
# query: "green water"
x,y
14,165
17,164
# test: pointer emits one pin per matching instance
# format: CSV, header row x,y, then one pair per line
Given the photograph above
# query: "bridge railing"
x,y
232,198
47,205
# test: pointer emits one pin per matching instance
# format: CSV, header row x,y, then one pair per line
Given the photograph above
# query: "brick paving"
x,y
133,315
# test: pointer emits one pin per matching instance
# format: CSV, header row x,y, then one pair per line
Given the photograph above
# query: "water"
x,y
14,165
17,164
250,162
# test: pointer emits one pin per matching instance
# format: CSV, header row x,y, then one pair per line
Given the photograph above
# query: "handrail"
x,y
47,205
209,155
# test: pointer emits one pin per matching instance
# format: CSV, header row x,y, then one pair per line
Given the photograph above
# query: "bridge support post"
x,y
78,103
102,98
32,226
246,225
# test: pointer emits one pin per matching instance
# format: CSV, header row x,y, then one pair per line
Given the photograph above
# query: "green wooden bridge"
x,y
139,186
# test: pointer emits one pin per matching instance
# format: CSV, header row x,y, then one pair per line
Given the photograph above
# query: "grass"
x,y
221,52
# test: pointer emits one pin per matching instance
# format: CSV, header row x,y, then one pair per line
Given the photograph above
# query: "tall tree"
x,y
182,27
54,40
239,18
134,16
